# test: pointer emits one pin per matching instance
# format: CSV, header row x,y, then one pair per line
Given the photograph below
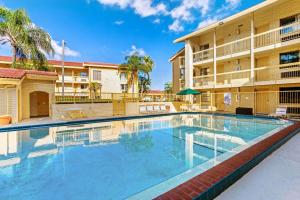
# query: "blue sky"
x,y
108,30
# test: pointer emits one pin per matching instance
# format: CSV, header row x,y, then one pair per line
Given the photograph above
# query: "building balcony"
x,y
73,79
275,38
268,75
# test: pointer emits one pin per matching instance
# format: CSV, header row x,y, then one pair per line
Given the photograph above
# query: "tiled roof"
x,y
100,63
66,63
20,73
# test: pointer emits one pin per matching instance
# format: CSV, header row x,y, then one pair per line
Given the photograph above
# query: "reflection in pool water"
x,y
114,160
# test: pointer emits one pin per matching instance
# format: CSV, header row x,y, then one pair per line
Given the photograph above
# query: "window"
x,y
287,32
182,73
123,76
124,87
83,74
203,47
289,57
204,71
82,86
97,75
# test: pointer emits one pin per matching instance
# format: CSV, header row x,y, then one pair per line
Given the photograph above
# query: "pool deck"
x,y
276,178
217,179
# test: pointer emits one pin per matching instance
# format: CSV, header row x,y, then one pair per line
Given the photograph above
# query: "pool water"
x,y
117,159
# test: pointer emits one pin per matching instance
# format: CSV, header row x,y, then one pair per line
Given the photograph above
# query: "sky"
x,y
109,30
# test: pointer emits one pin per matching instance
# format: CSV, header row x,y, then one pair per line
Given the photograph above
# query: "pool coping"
x,y
17,127
215,180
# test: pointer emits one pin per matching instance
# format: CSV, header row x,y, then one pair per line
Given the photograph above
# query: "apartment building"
x,y
79,75
251,58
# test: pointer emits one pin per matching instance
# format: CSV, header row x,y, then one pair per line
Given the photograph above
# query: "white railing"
x,y
278,35
203,55
233,47
283,72
79,79
206,80
241,77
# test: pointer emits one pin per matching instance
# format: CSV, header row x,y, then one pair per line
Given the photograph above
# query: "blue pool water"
x,y
115,160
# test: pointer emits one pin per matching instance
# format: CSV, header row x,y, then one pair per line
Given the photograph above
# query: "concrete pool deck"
x,y
277,177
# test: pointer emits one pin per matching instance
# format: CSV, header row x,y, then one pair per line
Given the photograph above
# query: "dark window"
x,y
182,73
288,20
289,57
203,71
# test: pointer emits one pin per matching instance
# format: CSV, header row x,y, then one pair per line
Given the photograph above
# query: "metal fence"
x,y
86,97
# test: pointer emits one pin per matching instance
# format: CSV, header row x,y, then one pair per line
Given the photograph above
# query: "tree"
x,y
144,84
94,87
28,41
137,67
168,87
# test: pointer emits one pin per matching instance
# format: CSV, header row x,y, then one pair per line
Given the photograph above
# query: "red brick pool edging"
x,y
212,182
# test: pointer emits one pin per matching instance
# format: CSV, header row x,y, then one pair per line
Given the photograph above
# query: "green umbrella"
x,y
188,92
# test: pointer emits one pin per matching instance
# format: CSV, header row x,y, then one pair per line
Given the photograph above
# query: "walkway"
x,y
276,178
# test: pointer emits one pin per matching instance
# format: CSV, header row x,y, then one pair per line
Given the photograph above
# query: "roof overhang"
x,y
226,20
176,54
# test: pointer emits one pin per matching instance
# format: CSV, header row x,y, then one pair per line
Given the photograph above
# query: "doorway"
x,y
39,104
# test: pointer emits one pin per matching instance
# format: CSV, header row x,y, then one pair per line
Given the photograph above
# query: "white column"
x,y
252,58
215,59
188,64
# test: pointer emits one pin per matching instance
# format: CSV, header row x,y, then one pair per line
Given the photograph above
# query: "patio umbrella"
x,y
188,92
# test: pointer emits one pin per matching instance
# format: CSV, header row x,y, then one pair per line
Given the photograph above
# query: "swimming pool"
x,y
134,158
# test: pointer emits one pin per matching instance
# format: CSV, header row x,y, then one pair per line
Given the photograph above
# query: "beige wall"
x,y
91,110
176,75
9,103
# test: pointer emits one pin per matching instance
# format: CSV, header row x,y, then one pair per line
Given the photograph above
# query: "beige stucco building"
x,y
252,58
26,94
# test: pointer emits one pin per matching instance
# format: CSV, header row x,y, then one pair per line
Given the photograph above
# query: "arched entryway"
x,y
39,104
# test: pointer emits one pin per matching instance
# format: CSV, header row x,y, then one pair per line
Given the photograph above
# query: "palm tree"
x,y
28,41
136,66
94,87
168,87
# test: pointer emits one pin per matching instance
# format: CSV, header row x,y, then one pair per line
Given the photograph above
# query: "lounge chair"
x,y
156,108
149,108
143,109
280,112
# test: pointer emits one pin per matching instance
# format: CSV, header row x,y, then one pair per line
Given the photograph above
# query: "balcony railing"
x,y
278,35
233,47
78,79
284,73
241,77
202,81
203,55
272,37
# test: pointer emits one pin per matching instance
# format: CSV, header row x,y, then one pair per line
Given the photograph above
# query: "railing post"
x,y
252,60
215,59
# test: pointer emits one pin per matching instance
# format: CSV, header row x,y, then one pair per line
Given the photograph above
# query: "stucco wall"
x,y
60,111
8,103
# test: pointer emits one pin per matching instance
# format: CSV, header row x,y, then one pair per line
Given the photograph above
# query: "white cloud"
x,y
233,3
156,21
135,50
119,22
144,8
207,22
58,50
184,12
176,26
